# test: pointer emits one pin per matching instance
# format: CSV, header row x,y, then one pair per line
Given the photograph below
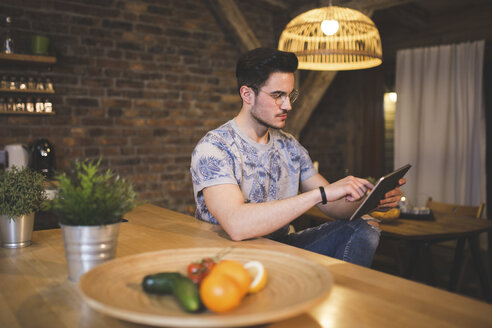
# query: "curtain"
x,y
440,123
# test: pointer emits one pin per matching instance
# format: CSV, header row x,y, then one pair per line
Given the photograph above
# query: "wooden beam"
x,y
312,90
316,83
277,3
366,6
412,17
231,16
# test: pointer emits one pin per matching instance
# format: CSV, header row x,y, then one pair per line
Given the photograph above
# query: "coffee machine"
x,y
43,157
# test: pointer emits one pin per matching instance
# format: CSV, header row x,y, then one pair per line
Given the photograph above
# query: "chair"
x,y
459,211
456,210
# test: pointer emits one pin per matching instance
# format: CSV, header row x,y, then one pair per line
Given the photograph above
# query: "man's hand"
x,y
350,187
392,197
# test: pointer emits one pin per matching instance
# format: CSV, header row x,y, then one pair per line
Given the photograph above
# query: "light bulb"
x,y
329,27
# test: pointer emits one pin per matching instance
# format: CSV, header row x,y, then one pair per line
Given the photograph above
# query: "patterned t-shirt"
x,y
264,172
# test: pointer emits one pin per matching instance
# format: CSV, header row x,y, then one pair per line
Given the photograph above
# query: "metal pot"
x,y
88,246
16,232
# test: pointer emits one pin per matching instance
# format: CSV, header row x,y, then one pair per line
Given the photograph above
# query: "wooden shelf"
x,y
28,58
31,91
24,113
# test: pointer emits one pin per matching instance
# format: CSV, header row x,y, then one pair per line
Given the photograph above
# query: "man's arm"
x,y
247,220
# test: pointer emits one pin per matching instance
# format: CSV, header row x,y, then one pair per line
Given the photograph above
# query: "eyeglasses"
x,y
280,97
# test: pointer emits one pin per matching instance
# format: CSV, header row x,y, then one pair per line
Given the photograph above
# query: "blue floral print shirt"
x,y
263,172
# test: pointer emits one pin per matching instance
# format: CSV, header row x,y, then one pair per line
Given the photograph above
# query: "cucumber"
x,y
185,291
159,283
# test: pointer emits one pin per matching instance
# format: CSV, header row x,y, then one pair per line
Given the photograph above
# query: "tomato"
x,y
197,271
208,264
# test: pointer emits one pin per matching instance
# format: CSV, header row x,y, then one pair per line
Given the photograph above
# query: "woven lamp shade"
x,y
356,44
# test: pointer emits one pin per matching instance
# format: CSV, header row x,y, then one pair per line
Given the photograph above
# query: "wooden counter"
x,y
35,291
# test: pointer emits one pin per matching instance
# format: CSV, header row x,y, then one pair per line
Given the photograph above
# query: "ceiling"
x,y
413,23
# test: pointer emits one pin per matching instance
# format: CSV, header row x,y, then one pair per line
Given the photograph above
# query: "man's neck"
x,y
251,128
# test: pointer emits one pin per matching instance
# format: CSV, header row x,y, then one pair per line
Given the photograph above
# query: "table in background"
x,y
420,234
35,291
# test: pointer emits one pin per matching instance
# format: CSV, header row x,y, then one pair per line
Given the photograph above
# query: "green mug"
x,y
40,44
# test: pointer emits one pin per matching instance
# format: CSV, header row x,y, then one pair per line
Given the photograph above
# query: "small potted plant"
x,y
21,195
90,205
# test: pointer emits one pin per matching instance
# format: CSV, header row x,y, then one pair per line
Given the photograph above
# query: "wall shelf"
x,y
28,58
3,112
27,91
9,60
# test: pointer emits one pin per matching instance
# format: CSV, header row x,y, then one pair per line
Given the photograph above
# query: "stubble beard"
x,y
264,123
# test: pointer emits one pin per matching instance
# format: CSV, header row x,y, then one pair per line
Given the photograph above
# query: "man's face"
x,y
269,110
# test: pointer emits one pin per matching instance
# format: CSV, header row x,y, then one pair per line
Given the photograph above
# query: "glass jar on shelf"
x,y
48,106
39,84
19,105
48,84
29,105
10,104
3,105
8,43
4,82
31,85
39,105
13,83
22,83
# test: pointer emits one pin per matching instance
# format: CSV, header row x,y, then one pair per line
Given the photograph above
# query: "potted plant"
x,y
90,205
21,195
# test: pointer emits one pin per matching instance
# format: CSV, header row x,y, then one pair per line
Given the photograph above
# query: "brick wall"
x,y
137,82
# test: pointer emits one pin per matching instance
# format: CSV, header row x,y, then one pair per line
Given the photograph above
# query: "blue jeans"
x,y
352,241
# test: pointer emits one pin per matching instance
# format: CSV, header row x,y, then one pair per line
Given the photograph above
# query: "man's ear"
x,y
247,94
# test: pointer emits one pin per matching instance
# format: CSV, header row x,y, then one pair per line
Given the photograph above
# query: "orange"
x,y
220,293
258,274
236,271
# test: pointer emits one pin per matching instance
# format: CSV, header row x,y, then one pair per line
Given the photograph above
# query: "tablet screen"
x,y
385,184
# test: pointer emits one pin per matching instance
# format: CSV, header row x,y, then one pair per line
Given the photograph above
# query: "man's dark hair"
x,y
254,67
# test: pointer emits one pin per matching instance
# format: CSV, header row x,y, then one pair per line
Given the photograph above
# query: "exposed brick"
x,y
129,84
113,24
135,7
137,82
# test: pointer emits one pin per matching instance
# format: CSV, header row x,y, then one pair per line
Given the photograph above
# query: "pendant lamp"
x,y
333,39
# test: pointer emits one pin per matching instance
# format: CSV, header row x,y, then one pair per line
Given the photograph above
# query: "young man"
x,y
247,173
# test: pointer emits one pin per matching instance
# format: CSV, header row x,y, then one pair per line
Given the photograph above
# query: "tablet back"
x,y
385,184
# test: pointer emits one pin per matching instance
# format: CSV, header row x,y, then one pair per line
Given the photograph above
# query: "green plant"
x,y
90,196
21,191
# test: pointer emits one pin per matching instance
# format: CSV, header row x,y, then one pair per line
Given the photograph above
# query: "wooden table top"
x,y
442,227
35,291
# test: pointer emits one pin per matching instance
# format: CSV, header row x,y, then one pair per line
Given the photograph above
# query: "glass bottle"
x,y
30,83
4,83
22,83
8,44
48,84
29,105
3,105
12,83
19,105
10,104
39,84
39,105
48,106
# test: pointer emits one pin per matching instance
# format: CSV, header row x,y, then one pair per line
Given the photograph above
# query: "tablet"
x,y
385,184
